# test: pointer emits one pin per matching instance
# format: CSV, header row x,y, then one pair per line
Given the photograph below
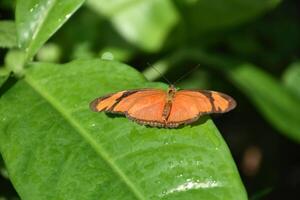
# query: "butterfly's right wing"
x,y
189,105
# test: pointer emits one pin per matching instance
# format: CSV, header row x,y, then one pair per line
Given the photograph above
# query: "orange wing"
x,y
144,106
189,105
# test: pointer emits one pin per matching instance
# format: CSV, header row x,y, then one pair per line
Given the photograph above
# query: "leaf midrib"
x,y
84,133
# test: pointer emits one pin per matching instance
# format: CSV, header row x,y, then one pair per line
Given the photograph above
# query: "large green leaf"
x,y
37,20
291,78
7,34
54,147
142,22
208,15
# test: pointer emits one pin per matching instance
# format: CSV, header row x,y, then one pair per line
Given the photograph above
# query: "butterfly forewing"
x,y
222,102
107,102
210,101
140,98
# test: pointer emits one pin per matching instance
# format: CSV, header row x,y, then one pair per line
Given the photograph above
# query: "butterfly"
x,y
166,109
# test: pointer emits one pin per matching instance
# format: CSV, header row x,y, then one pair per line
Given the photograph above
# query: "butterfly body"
x,y
160,108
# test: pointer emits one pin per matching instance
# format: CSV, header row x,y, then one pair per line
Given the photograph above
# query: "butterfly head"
x,y
171,92
171,89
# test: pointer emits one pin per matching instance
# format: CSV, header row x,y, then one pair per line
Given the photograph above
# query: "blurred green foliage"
x,y
249,48
7,34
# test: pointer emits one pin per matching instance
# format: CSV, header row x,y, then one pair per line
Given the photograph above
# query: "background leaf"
x,y
291,78
7,34
143,23
37,20
56,148
275,102
210,15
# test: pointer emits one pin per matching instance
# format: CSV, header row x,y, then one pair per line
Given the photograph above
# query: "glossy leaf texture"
x,y
143,23
7,34
54,147
291,78
209,15
37,20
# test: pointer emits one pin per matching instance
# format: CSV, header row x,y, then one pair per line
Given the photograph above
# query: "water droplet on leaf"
x,y
68,16
107,56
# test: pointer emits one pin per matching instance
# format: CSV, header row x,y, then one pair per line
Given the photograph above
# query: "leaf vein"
x,y
84,133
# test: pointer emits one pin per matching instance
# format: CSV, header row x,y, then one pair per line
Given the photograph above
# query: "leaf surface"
x,y
54,147
37,20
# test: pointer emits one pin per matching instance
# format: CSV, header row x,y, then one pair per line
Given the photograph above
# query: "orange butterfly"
x,y
160,108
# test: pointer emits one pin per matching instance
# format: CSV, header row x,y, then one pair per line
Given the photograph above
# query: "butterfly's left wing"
x,y
144,106
119,102
189,105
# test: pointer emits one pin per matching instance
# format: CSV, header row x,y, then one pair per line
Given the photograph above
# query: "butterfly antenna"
x,y
186,74
159,73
